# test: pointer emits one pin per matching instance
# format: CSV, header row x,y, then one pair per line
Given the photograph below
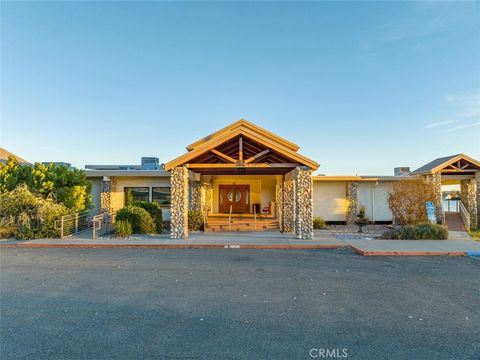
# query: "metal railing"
x,y
254,218
465,215
230,219
71,224
451,205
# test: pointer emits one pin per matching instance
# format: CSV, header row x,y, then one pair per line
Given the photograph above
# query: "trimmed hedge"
x,y
139,218
418,232
155,212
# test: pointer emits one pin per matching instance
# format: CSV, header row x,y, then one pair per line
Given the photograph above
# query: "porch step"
x,y
241,224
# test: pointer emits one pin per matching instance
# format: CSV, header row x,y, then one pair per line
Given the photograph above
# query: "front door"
x,y
236,196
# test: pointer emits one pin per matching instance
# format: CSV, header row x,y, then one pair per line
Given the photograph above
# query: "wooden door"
x,y
236,196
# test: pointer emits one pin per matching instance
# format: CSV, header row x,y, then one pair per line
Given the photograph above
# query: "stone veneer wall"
x,y
289,202
206,189
436,183
477,189
468,195
179,203
303,203
195,195
279,205
352,198
106,196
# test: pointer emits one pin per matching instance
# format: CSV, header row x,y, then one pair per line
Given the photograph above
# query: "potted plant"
x,y
361,220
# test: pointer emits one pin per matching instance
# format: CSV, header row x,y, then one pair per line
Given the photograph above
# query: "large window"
x,y
139,193
161,195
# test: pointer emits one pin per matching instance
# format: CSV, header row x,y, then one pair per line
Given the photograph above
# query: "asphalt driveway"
x,y
236,304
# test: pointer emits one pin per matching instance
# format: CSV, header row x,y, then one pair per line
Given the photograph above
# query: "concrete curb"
x,y
174,246
243,246
408,253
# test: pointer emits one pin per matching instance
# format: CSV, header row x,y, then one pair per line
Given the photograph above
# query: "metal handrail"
x,y
254,218
230,219
465,215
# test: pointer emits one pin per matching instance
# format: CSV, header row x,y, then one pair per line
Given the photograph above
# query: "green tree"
x,y
67,186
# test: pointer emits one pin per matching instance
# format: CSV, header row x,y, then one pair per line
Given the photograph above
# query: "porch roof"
x,y
242,148
453,164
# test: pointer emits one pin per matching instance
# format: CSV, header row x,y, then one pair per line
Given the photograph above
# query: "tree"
x,y
407,201
65,185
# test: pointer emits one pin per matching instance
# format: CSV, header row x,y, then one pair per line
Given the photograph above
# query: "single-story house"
x,y
244,174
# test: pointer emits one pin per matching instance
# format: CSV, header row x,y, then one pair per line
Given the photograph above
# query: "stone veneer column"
x,y
289,202
468,195
179,203
106,196
206,201
279,205
436,183
303,203
477,190
352,197
195,195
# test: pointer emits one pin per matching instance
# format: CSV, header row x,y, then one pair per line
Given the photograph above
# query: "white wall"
x,y
330,200
374,198
96,189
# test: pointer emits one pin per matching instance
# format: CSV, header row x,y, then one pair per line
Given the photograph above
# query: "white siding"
x,y
330,200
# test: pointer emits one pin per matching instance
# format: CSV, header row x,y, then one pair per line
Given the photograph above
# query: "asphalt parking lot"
x,y
236,304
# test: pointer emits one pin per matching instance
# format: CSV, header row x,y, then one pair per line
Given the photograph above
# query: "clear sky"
x,y
361,87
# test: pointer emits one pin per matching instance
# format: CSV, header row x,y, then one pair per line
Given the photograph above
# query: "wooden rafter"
x,y
230,166
255,157
223,156
240,149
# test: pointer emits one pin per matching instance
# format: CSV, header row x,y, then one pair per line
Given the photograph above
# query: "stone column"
x,y
436,183
289,202
303,203
279,205
179,203
352,198
106,196
477,190
468,195
206,191
195,196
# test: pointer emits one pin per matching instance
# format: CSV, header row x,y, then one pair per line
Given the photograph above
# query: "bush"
x,y
155,212
195,220
27,216
139,218
418,232
318,222
123,228
407,201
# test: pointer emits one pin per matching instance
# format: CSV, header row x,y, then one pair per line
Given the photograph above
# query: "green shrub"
x,y
195,220
139,218
123,228
418,232
318,222
155,212
27,216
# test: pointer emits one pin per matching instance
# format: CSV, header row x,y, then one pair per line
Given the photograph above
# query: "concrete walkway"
x,y
266,240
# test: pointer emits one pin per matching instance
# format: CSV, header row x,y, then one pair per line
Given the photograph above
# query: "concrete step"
x,y
241,225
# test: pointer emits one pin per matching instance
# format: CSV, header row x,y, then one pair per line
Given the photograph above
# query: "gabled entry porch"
x,y
247,174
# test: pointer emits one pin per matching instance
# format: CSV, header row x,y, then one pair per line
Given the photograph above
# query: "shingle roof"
x,y
441,162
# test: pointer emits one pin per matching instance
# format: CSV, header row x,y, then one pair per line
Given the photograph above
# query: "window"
x,y
161,195
139,193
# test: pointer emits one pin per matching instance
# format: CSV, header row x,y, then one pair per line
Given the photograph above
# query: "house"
x,y
249,177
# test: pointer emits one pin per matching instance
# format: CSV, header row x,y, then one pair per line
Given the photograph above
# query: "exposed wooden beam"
x,y
223,156
240,149
255,157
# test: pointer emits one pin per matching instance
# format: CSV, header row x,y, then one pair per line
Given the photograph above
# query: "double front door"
x,y
235,196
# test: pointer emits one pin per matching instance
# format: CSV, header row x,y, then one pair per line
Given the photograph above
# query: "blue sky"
x,y
361,87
